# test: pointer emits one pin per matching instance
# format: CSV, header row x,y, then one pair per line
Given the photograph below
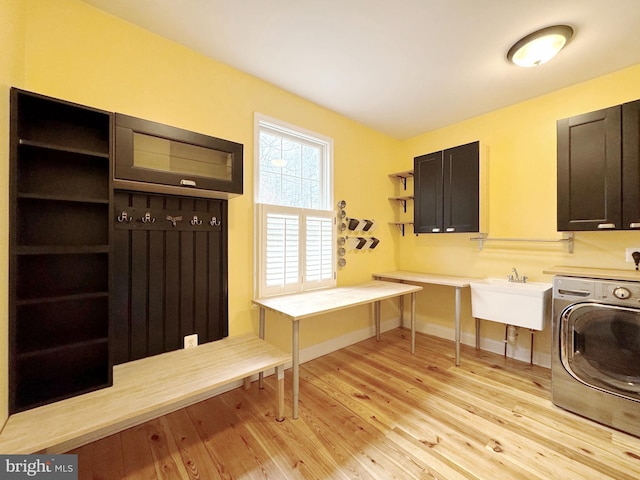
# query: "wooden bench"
x,y
142,390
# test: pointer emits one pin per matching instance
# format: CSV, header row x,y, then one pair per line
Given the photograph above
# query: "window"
x,y
295,222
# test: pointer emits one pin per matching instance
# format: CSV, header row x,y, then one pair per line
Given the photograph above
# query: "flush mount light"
x,y
540,47
278,162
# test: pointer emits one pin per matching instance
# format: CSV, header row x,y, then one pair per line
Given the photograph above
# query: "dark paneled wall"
x,y
169,273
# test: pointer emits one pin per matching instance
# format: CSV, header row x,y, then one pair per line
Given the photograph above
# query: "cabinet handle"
x,y
187,183
606,225
451,229
435,230
634,225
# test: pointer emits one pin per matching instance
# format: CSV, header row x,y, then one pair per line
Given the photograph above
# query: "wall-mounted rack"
x,y
403,200
568,239
401,225
402,176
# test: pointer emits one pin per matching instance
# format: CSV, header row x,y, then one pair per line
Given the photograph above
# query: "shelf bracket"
x,y
400,227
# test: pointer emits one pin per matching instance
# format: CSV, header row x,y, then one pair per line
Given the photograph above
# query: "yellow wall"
x,y
522,195
11,73
75,52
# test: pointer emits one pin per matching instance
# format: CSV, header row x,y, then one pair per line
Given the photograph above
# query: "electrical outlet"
x,y
629,254
191,341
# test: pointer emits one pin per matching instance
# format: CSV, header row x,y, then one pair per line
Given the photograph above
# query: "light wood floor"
x,y
374,411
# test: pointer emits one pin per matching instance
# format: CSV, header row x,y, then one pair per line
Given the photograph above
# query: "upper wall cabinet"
x,y
631,165
599,169
449,189
153,157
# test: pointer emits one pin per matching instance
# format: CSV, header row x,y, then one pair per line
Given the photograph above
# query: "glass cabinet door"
x,y
150,153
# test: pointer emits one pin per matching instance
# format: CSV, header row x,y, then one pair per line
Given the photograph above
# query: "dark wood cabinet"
x,y
599,170
60,163
631,165
447,190
158,158
589,156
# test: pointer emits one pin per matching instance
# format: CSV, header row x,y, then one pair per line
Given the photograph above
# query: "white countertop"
x,y
430,278
591,272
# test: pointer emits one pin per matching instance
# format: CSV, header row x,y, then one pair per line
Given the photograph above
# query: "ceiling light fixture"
x,y
278,162
541,46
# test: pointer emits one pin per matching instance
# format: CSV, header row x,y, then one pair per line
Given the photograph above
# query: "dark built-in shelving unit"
x,y
60,223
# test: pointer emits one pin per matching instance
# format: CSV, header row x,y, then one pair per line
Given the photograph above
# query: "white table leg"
x,y
376,310
457,326
413,322
401,302
261,335
295,368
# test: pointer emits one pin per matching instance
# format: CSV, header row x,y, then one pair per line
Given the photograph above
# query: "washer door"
x,y
600,347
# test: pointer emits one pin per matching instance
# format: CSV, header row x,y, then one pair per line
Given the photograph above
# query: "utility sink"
x,y
513,303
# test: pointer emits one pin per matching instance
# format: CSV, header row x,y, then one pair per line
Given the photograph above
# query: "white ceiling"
x,y
402,67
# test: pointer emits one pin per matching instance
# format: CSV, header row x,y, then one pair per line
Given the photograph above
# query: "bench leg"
x,y
280,393
247,383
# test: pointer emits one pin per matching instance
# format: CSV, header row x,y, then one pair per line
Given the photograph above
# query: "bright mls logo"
x,y
52,467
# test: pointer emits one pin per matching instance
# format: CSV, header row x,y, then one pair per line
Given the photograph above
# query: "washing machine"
x,y
595,363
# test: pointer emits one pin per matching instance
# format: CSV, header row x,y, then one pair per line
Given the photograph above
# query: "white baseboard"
x,y
487,344
490,345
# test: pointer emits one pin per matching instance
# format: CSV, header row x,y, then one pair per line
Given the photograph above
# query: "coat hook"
x,y
148,218
195,221
173,220
124,217
214,222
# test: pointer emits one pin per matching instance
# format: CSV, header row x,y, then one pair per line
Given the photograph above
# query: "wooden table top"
x,y
307,304
430,278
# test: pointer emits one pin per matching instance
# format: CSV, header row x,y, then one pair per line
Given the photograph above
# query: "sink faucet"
x,y
514,277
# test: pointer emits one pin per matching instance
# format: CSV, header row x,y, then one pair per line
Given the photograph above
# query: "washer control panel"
x,y
619,292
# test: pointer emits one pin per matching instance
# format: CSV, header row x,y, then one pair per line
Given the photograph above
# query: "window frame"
x,y
277,127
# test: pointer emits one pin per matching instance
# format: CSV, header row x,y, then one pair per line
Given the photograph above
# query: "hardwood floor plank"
x,y
102,460
296,459
136,451
374,411
193,453
167,461
442,434
234,454
469,407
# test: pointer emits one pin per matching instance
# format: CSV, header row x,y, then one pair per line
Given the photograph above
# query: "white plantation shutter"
x,y
297,249
282,254
319,250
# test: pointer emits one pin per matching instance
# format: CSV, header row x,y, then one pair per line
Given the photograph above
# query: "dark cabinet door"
x,y
461,188
631,165
589,171
428,209
447,187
